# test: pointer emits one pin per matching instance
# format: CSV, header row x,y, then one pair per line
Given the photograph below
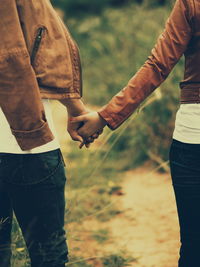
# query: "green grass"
x,y
116,260
101,235
113,260
19,252
78,263
113,47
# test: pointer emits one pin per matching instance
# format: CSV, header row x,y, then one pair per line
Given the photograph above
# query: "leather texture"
x,y
38,59
181,36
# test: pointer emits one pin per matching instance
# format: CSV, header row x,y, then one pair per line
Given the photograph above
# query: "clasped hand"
x,y
86,128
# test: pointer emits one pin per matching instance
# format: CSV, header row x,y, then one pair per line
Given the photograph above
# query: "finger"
x,y
100,131
95,136
90,140
81,145
78,119
76,137
82,132
87,145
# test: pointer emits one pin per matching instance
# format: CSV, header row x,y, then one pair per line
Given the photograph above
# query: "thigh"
x,y
6,215
185,171
5,209
39,207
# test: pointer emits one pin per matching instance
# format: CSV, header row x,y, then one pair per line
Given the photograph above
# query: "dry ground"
x,y
147,228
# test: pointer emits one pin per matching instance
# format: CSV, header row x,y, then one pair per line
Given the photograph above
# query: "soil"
x,y
148,226
147,229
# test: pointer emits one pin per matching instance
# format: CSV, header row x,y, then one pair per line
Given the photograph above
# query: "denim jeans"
x,y
185,171
32,185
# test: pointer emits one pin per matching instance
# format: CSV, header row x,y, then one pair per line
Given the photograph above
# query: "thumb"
x,y
76,137
78,119
80,139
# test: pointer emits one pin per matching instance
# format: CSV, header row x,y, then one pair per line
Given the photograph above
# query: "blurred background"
x,y
120,205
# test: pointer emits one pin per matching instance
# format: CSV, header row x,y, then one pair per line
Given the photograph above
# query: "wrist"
x,y
75,107
102,120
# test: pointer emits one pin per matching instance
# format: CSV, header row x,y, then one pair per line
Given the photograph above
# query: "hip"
x,y
185,163
31,169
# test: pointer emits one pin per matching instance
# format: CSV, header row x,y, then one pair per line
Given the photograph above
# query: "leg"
x,y
39,207
5,227
185,171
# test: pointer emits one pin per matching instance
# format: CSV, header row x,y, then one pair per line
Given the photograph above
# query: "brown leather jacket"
x,y
38,59
181,36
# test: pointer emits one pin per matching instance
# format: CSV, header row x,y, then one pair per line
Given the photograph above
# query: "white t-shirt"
x,y
187,124
8,143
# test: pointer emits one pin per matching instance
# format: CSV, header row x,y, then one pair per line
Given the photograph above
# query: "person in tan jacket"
x,y
180,37
39,61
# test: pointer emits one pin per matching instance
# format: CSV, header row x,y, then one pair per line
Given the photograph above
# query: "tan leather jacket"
x,y
181,36
38,59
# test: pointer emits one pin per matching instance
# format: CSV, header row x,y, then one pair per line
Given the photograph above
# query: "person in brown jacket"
x,y
39,61
181,36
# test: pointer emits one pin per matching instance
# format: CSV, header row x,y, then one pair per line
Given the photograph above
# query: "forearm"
x,y
170,46
122,105
75,107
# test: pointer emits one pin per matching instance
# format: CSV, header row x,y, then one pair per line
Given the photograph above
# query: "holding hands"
x,y
83,125
91,125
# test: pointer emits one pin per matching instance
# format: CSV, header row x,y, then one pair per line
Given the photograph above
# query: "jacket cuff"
x,y
31,139
113,120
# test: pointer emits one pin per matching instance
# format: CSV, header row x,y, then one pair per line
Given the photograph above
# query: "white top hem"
x,y
8,143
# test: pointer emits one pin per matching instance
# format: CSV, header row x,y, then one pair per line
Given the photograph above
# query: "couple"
x,y
39,61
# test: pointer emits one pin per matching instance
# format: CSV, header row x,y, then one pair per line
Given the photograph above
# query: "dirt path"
x,y
148,228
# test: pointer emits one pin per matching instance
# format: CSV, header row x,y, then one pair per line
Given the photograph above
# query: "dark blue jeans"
x,y
185,171
32,185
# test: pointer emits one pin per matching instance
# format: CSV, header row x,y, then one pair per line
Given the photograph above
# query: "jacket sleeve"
x,y
20,98
170,46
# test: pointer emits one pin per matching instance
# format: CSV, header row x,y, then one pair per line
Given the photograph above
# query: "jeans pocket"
x,y
28,169
41,166
57,179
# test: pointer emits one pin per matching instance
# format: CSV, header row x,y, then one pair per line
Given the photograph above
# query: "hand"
x,y
73,132
75,107
92,125
90,139
72,129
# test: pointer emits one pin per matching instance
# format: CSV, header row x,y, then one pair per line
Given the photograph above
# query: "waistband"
x,y
186,146
190,95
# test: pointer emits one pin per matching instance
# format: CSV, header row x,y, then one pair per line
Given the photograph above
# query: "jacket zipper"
x,y
37,42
